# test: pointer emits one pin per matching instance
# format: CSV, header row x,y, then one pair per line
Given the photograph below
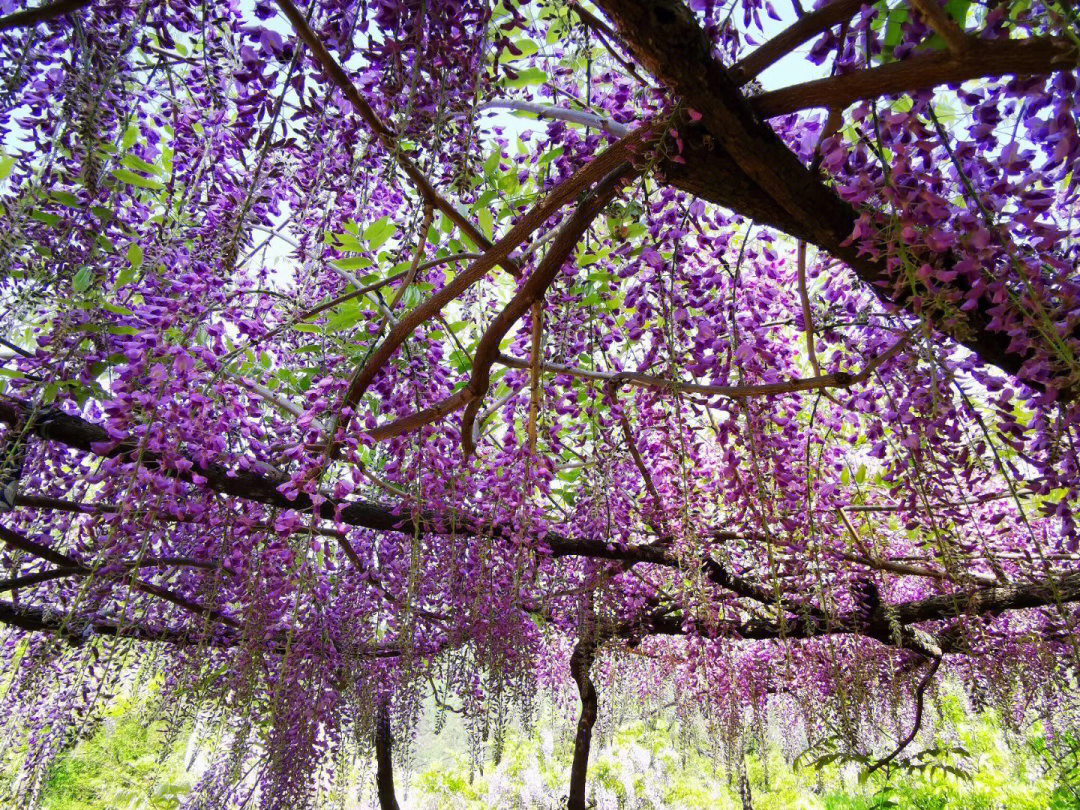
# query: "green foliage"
x,y
641,766
648,766
119,767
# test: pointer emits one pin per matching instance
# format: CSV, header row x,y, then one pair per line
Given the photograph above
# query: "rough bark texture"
x,y
1005,57
743,165
76,632
882,623
384,764
580,663
78,433
33,16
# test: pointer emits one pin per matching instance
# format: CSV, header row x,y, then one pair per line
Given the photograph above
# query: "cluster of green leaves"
x,y
120,767
973,765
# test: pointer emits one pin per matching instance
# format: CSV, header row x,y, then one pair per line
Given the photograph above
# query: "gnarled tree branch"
x,y
44,13
749,166
980,60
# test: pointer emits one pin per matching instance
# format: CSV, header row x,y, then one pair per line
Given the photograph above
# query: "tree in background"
x,y
357,351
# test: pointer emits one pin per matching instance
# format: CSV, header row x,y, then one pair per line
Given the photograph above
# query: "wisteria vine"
x,y
362,354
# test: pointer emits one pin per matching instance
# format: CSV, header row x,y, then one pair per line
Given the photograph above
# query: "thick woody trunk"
x,y
580,663
384,765
746,796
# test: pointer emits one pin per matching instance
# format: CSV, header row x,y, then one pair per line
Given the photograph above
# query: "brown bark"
x,y
33,16
823,382
879,625
76,629
981,59
339,77
72,630
533,290
743,164
590,173
28,580
809,26
384,763
939,21
80,434
580,663
17,541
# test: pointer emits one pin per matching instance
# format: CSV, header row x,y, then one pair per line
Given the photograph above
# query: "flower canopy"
x,y
356,351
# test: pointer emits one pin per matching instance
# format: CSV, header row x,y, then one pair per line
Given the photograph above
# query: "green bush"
x,y
643,766
119,767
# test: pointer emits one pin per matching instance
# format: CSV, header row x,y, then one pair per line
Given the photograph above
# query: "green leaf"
x,y
131,134
348,317
526,46
894,29
411,297
48,219
7,166
135,254
66,198
378,232
484,199
353,263
126,276
487,223
132,179
82,280
139,164
526,78
549,156
344,241
558,29
461,361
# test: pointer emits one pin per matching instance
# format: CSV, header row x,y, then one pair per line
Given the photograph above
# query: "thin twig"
x,y
839,379
808,27
338,75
